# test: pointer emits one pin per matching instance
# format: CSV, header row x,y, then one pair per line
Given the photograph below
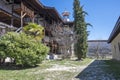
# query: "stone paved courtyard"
x,y
95,71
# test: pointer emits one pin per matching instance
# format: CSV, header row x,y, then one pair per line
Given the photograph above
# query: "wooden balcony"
x,y
6,18
23,8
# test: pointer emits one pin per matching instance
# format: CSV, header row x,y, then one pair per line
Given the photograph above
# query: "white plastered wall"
x,y
115,47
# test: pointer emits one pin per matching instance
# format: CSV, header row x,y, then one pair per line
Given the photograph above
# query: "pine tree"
x,y
80,30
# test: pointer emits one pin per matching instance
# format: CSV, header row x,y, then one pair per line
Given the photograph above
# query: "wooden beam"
x,y
4,13
23,14
21,19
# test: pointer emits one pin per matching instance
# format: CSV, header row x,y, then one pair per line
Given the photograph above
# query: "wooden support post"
x,y
12,19
33,19
37,20
22,16
37,17
21,19
52,47
44,21
56,49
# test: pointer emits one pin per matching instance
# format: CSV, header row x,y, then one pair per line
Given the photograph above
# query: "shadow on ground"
x,y
95,71
14,67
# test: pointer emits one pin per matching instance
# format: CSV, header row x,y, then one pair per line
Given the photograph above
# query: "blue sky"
x,y
103,14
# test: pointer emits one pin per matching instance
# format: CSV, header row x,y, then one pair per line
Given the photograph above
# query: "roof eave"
x,y
115,32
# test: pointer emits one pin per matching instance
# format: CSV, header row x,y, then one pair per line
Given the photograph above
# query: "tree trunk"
x,y
0,61
3,61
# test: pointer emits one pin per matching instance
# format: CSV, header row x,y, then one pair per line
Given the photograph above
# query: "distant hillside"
x,y
98,47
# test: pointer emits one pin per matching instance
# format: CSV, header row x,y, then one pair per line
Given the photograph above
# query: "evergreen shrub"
x,y
22,48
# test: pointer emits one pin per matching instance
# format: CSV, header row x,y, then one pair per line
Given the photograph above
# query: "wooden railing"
x,y
4,25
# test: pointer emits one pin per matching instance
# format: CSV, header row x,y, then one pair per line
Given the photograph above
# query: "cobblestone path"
x,y
95,71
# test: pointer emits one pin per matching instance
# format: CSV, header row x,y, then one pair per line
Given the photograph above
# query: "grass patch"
x,y
40,73
113,68
68,62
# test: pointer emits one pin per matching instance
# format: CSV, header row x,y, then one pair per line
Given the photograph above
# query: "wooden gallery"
x,y
15,14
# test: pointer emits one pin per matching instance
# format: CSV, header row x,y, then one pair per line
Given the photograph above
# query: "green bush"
x,y
22,48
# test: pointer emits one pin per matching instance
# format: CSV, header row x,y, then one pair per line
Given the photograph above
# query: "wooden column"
x,y
52,47
22,16
26,11
44,21
12,18
21,19
33,18
37,17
